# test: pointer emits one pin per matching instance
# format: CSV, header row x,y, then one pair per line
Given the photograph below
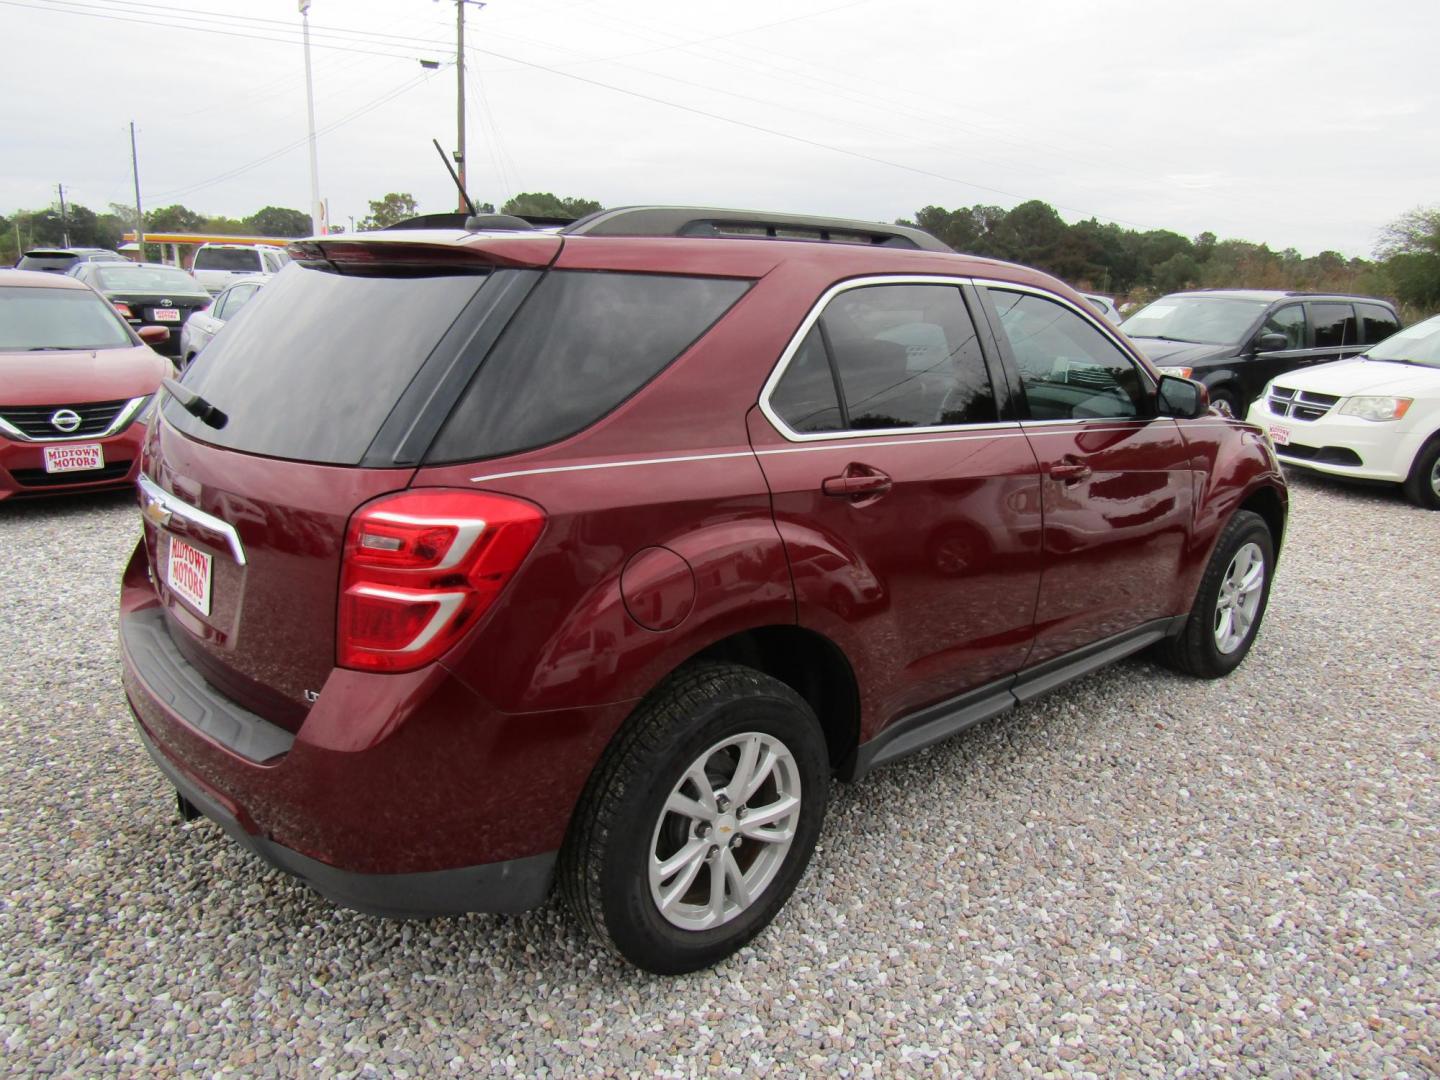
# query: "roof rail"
x,y
748,224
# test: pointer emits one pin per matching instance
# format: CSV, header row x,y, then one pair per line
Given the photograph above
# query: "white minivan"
x,y
219,265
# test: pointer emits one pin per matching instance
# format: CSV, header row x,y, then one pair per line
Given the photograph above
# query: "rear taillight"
x,y
420,569
124,309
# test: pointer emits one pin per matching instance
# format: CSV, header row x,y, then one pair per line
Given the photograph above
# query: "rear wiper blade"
x,y
195,405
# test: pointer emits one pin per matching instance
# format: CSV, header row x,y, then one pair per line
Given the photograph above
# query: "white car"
x,y
1106,306
204,324
219,265
1375,416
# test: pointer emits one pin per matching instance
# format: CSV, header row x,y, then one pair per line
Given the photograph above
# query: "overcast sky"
x,y
1300,124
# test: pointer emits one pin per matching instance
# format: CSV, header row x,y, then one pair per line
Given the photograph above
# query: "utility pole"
x,y
460,96
64,219
139,213
317,209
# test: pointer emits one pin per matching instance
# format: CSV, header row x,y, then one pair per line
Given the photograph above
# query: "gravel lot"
x,y
1141,874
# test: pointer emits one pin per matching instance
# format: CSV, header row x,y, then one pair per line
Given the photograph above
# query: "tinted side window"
x,y
907,356
1377,322
1290,321
805,395
582,344
1070,370
1334,325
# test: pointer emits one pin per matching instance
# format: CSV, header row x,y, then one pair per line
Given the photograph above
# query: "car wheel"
x,y
1225,403
1422,487
699,820
1230,603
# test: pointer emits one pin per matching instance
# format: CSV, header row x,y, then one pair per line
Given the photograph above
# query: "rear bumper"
x,y
511,886
23,475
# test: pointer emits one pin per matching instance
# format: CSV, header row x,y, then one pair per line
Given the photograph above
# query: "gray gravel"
x,y
1141,874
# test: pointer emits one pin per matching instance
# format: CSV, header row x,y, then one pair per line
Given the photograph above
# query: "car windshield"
x,y
1205,320
34,319
145,279
243,259
1418,344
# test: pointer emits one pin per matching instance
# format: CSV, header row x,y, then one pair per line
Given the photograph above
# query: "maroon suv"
x,y
476,562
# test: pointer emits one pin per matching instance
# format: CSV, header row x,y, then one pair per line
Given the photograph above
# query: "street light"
x,y
317,209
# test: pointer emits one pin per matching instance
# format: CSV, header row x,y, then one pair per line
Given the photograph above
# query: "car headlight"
x,y
1377,408
1181,372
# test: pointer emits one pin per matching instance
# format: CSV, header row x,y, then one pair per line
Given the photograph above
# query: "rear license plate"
x,y
1279,436
188,572
166,314
74,458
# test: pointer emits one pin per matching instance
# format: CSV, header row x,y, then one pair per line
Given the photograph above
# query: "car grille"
x,y
1301,404
34,420
39,478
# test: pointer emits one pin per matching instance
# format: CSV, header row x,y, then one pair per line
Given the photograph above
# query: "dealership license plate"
x,y
74,457
166,314
188,572
1279,436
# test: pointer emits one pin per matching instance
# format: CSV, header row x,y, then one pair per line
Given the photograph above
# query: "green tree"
x,y
394,207
175,218
1409,250
278,221
544,204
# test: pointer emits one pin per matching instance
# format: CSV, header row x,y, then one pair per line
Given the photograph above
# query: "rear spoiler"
x,y
422,255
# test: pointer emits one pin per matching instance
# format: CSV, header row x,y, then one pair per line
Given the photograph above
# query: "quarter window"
x,y
903,356
1334,325
1069,369
1377,322
1290,321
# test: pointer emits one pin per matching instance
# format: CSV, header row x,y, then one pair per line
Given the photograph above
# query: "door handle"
x,y
853,483
1070,472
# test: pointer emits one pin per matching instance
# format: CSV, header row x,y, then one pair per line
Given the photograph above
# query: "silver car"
x,y
206,323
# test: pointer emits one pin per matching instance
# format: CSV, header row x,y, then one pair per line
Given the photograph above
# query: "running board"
x,y
934,723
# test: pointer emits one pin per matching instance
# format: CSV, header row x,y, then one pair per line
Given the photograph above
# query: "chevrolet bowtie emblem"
x,y
156,512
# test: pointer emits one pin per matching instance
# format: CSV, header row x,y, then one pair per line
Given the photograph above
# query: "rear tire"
x,y
1422,486
668,862
1229,604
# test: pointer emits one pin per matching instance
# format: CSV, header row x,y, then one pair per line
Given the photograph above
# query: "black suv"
x,y
1237,340
60,260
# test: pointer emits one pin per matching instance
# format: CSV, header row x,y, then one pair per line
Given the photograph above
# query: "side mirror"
x,y
1184,399
1271,343
154,335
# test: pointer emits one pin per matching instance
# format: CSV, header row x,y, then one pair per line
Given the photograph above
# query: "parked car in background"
x,y
147,294
1105,305
204,323
61,260
1375,416
219,265
1237,340
76,383
473,563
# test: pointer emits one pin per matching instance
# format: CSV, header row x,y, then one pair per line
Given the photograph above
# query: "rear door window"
x,y
582,343
904,355
1376,323
314,371
243,260
1334,325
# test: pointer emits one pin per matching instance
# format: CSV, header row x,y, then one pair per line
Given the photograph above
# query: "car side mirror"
x,y
1184,399
1271,343
154,335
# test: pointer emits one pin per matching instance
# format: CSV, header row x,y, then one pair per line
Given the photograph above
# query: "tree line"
x,y
1101,257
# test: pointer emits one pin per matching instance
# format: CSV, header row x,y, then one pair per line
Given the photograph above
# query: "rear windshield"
x,y
241,259
57,261
34,319
312,373
113,277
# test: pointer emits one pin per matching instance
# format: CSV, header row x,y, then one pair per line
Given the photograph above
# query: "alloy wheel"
x,y
724,831
1239,601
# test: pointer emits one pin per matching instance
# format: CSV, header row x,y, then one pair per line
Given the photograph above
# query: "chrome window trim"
x,y
122,420
153,495
813,316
